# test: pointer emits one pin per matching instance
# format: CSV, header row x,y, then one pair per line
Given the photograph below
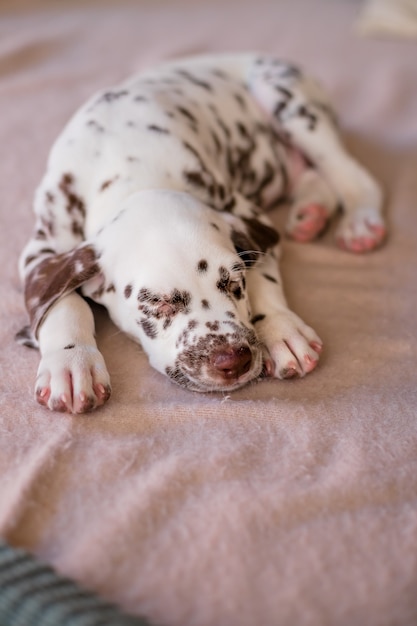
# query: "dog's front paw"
x,y
72,380
293,348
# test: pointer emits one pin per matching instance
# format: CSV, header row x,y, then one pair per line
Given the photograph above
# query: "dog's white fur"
x,y
152,205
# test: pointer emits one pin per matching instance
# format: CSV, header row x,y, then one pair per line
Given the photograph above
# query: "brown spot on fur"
x,y
40,234
74,202
224,279
178,377
202,266
77,229
149,328
106,184
128,291
161,305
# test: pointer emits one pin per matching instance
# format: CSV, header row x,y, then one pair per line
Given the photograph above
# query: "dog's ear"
x,y
250,236
55,276
263,235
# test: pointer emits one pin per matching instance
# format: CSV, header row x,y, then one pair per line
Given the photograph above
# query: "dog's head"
x,y
172,274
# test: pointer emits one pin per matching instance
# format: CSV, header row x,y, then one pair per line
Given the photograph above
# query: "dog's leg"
x,y
72,376
292,347
313,202
301,112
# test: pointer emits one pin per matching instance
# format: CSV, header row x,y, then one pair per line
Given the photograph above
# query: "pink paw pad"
x,y
311,220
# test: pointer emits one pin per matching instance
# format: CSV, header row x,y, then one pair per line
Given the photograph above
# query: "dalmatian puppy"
x,y
153,204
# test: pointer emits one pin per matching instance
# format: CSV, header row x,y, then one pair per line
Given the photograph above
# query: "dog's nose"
x,y
232,362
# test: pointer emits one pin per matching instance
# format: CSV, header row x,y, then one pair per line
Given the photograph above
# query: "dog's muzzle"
x,y
218,362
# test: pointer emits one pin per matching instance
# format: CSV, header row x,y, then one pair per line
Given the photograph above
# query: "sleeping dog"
x,y
153,204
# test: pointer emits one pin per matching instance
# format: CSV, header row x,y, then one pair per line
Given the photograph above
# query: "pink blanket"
x,y
284,503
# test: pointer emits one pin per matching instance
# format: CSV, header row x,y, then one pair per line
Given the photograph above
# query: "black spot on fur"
x,y
70,346
286,97
240,100
271,278
40,234
195,81
216,141
158,129
220,122
230,205
186,113
111,288
205,304
220,74
96,126
311,117
25,338
128,291
195,178
110,96
257,318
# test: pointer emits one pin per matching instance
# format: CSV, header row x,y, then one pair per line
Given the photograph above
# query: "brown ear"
x,y
55,276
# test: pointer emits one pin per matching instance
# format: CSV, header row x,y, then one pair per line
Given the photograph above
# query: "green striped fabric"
x,y
32,594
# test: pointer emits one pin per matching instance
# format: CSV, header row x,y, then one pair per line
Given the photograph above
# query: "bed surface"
x,y
284,503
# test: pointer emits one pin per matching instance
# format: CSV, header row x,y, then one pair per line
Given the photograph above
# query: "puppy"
x,y
153,204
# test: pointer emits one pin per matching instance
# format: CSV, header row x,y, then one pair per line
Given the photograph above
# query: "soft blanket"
x,y
285,502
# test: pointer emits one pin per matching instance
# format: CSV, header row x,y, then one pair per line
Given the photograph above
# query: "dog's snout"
x,y
232,362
